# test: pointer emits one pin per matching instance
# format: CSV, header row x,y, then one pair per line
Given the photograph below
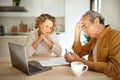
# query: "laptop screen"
x,y
18,56
19,60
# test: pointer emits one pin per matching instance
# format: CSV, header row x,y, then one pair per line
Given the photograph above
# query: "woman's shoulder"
x,y
33,31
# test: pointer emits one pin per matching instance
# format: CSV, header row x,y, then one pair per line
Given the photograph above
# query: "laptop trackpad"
x,y
35,66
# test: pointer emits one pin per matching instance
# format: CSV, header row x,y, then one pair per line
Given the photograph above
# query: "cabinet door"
x,y
54,7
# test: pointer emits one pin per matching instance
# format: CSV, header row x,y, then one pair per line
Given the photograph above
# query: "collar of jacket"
x,y
105,31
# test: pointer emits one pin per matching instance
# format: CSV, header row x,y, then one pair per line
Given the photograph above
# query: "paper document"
x,y
57,61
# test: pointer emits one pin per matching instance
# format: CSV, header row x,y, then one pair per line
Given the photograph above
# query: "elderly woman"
x,y
42,40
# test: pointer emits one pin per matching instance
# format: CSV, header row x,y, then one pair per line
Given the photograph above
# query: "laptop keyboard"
x,y
33,69
34,66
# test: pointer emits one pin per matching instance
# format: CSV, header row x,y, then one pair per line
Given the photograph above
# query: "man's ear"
x,y
97,20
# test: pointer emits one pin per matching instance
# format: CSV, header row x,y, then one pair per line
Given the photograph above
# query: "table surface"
x,y
7,72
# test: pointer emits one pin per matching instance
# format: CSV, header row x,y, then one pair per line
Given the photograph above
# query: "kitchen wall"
x,y
73,10
110,9
9,22
34,9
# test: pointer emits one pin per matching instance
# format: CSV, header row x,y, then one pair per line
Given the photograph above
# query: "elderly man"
x,y
103,49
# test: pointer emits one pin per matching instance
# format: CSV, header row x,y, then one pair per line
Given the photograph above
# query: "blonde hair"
x,y
42,18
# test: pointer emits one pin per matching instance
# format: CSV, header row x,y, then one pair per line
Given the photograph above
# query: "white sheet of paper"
x,y
57,61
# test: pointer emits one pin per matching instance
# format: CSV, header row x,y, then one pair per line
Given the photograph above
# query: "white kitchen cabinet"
x,y
37,7
54,7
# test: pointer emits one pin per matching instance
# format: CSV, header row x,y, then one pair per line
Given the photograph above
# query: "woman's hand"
x,y
46,39
41,37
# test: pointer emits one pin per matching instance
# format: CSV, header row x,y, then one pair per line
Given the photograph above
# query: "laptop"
x,y
19,60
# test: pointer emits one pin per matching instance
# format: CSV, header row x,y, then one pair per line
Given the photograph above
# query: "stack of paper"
x,y
57,61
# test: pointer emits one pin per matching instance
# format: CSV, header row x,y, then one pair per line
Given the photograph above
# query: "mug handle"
x,y
86,68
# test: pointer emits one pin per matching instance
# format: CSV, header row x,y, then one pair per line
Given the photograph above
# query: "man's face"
x,y
89,28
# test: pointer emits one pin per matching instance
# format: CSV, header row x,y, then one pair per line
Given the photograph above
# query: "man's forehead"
x,y
86,17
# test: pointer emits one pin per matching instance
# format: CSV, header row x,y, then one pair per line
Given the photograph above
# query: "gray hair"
x,y
93,15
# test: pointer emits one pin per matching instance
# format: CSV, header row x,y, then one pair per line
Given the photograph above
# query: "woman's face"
x,y
46,27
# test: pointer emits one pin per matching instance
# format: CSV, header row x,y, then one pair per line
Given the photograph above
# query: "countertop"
x,y
4,49
14,34
7,72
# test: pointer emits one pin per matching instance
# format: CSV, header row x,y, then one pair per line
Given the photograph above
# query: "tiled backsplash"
x,y
9,22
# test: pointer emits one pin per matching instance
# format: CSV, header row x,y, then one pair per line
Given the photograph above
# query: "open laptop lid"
x,y
19,60
18,57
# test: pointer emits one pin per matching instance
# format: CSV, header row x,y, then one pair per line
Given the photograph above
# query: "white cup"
x,y
78,68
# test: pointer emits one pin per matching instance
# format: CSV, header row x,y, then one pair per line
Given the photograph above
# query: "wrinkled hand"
x,y
71,57
79,25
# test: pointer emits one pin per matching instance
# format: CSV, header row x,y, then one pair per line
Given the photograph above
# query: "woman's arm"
x,y
29,49
56,49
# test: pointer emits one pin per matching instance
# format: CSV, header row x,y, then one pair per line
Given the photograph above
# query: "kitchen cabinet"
x,y
36,7
4,49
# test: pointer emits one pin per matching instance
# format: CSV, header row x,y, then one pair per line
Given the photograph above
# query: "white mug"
x,y
78,68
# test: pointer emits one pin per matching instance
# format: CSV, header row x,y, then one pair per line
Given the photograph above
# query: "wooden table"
x,y
7,72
